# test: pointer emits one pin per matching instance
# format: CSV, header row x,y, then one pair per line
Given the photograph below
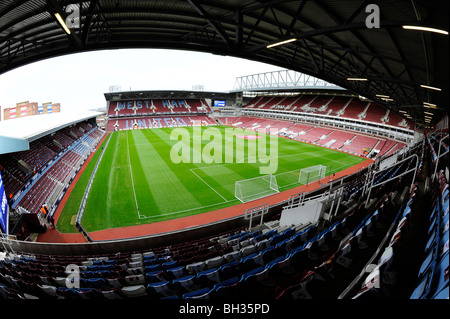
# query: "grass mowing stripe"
x,y
90,218
166,181
131,174
109,201
141,184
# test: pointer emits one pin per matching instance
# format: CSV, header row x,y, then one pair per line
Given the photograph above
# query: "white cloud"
x,y
80,80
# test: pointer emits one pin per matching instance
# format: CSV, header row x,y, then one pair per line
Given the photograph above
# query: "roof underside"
x,y
333,41
16,134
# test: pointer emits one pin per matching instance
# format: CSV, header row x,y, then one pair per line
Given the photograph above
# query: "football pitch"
x,y
149,175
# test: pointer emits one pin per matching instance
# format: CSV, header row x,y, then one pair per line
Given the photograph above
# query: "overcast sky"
x,y
78,81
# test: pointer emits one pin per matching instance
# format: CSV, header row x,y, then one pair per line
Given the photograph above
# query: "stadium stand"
x,y
355,109
320,260
156,106
343,107
116,124
355,143
314,134
358,143
56,175
336,139
34,177
133,114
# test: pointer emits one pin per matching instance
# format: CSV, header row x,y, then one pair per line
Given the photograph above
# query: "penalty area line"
x,y
209,186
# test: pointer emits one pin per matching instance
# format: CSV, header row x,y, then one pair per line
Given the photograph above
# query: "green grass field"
x,y
137,181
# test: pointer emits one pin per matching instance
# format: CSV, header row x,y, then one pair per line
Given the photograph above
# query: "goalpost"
x,y
311,174
253,188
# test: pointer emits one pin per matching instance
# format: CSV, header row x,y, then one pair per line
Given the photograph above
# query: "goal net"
x,y
311,174
253,188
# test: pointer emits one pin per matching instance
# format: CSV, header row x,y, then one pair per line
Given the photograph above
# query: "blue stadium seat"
x,y
251,274
226,283
202,293
88,293
267,254
67,293
207,277
97,283
443,294
134,291
169,265
160,289
177,271
226,289
441,275
186,283
229,270
154,276
152,268
251,261
299,257
423,288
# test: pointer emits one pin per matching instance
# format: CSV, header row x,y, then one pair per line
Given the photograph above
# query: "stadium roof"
x,y
330,39
16,134
165,94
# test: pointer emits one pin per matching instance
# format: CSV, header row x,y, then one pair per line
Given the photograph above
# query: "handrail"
x,y
393,178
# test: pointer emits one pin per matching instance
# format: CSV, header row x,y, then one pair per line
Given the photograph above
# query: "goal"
x,y
311,174
253,188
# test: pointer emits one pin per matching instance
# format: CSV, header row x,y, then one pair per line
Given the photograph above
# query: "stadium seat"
x,y
160,289
177,271
220,287
50,291
186,283
423,289
169,265
429,261
229,270
67,293
134,291
250,249
97,283
112,293
214,262
251,274
202,293
231,256
208,277
155,276
88,293
60,281
196,267
263,244
250,283
152,267
441,275
116,282
135,279
443,294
